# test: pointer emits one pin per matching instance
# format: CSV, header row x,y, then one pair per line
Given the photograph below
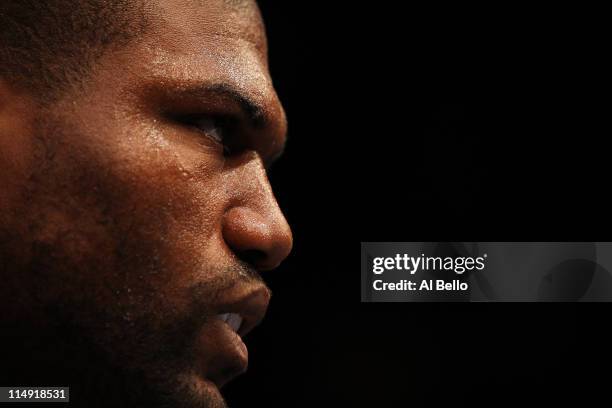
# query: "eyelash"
x,y
214,130
217,128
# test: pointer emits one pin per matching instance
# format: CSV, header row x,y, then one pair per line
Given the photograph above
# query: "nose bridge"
x,y
249,184
254,226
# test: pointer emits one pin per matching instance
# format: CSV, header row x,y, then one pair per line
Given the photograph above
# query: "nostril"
x,y
253,257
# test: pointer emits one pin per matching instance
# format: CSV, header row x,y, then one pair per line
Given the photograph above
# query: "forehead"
x,y
190,22
214,41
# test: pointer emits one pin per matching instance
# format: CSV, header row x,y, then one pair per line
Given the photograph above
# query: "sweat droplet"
x,y
185,174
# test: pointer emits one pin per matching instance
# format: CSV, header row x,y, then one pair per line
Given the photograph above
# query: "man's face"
x,y
137,209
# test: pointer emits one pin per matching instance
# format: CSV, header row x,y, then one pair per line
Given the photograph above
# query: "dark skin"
x,y
136,209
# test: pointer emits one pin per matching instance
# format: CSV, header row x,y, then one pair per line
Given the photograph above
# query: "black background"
x,y
412,124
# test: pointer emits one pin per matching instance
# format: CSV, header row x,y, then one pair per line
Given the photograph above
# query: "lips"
x,y
233,320
221,352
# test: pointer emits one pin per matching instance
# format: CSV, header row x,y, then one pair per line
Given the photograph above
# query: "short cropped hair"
x,y
46,45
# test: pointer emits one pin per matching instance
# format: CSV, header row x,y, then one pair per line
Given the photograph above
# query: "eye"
x,y
209,126
213,128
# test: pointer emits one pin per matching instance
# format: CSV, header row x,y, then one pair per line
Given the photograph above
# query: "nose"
x,y
255,227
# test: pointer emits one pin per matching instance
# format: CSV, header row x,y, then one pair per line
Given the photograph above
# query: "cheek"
x,y
167,222
15,157
133,216
172,187
168,199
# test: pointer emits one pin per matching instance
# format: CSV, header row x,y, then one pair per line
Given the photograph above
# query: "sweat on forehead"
x,y
239,19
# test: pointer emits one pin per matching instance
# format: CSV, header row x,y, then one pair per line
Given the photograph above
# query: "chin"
x,y
193,391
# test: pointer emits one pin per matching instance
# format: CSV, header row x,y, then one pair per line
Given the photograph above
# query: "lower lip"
x,y
240,348
222,353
